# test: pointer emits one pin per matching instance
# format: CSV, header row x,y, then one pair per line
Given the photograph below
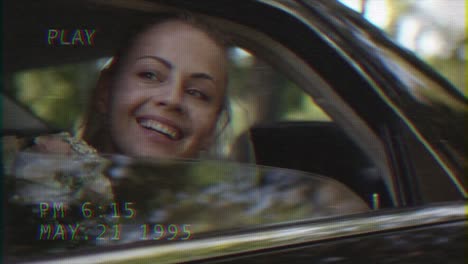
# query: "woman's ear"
x,y
102,96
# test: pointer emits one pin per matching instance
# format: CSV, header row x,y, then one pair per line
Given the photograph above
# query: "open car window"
x,y
59,204
274,121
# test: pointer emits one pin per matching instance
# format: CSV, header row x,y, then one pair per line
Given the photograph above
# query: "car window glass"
x,y
58,203
273,121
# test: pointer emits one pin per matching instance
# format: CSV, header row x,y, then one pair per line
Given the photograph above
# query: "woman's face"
x,y
167,94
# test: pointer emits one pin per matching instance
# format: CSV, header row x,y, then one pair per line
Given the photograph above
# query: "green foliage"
x,y
58,95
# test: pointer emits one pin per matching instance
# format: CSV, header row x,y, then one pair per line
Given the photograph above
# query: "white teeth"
x,y
154,125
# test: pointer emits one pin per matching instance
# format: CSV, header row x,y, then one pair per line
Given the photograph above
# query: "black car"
x,y
355,151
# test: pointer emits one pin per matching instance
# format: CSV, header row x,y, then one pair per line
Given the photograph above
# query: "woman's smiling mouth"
x,y
163,128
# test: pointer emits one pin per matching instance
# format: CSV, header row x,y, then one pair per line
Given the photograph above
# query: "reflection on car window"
x,y
273,121
58,203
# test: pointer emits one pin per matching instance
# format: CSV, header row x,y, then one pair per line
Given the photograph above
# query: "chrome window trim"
x,y
278,236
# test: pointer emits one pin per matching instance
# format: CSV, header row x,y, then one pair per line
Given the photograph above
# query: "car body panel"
x,y
423,234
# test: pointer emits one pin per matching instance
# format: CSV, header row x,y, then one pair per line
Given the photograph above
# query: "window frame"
x,y
309,81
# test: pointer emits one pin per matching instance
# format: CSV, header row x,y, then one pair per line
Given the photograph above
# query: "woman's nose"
x,y
172,97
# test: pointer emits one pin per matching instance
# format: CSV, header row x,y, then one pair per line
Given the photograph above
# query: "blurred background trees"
x,y
59,94
433,29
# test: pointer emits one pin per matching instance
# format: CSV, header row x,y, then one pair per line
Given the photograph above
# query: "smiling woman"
x,y
163,94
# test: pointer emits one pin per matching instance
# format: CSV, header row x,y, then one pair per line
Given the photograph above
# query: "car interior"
x,y
319,147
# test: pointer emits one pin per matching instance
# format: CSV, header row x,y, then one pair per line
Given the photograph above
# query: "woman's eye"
x,y
198,94
152,76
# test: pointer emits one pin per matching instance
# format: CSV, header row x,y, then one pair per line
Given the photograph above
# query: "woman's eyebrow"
x,y
198,75
202,75
161,60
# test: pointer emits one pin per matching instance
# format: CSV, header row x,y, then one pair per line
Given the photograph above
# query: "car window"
x,y
58,204
273,121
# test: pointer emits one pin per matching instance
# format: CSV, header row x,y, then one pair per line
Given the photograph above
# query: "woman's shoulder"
x,y
59,143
